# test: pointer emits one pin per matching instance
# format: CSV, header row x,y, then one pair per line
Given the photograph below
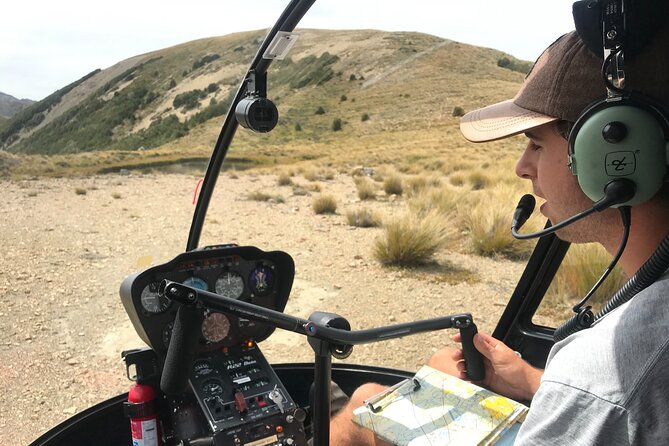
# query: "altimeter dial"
x,y
215,327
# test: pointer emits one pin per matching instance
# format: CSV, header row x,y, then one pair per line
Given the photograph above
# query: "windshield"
x,y
390,215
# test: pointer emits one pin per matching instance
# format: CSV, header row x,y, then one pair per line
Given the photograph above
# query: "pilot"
x,y
608,384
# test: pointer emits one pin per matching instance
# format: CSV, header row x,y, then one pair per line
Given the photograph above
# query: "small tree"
x,y
365,117
458,111
352,77
336,125
298,127
320,111
343,98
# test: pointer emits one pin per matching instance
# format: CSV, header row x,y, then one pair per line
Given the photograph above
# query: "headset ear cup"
x,y
621,139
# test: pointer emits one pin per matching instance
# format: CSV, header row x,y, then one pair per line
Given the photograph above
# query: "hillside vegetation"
x,y
343,96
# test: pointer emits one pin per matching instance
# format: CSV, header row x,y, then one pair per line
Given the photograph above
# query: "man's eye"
x,y
534,146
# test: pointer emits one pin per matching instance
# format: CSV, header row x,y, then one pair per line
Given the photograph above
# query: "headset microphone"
x,y
615,192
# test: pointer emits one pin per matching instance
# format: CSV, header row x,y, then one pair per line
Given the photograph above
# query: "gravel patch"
x,y
62,324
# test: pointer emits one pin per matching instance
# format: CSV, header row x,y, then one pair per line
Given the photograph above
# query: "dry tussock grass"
x,y
410,240
363,218
366,189
324,204
580,270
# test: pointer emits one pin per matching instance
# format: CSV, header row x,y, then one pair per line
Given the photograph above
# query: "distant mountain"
x,y
9,105
179,93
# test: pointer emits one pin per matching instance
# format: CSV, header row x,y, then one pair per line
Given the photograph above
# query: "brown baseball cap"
x,y
562,83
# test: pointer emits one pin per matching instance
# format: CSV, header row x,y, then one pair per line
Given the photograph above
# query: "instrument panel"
x,y
235,272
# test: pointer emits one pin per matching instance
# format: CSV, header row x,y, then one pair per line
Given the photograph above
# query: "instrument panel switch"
x,y
240,402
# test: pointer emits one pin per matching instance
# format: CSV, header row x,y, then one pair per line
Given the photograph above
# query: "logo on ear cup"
x,y
638,154
620,164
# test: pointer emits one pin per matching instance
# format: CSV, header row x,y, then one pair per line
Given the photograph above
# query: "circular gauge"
x,y
152,301
167,334
212,387
261,280
215,327
230,285
197,283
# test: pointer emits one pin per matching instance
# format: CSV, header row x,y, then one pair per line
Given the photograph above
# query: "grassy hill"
x,y
341,95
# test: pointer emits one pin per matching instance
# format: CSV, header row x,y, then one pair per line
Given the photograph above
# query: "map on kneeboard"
x,y
436,409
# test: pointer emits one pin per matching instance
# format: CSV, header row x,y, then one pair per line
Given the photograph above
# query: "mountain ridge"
x,y
174,94
10,105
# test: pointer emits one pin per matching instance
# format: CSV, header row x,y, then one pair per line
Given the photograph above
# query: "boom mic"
x,y
523,211
616,192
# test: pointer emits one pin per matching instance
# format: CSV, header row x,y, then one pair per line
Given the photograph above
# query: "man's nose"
x,y
525,167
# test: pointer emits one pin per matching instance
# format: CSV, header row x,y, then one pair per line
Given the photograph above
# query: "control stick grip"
x,y
473,358
181,351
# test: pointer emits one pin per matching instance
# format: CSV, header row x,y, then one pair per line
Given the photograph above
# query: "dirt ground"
x,y
62,325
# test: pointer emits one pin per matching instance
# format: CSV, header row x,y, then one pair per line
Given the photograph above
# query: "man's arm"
x,y
343,432
505,372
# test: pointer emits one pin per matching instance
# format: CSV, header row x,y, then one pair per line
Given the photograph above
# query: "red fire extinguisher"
x,y
141,405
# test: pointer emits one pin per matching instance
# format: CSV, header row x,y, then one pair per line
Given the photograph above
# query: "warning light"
x,y
279,429
248,344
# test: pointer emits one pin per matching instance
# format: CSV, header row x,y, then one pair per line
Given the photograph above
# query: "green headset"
x,y
623,137
620,138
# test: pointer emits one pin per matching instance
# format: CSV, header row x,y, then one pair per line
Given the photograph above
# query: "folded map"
x,y
436,409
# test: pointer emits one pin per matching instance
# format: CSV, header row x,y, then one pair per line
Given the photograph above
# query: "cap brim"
x,y
500,121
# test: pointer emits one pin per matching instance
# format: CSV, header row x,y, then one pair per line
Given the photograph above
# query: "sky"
x,y
45,45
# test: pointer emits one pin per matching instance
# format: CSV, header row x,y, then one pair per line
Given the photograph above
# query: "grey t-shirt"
x,y
608,385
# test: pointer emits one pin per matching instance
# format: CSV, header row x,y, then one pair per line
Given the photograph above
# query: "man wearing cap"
x,y
608,384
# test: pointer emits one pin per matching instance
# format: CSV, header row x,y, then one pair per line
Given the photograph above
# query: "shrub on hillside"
x,y
205,60
458,111
308,70
514,64
320,111
336,125
188,99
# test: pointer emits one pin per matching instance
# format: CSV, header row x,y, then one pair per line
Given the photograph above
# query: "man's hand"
x,y
505,372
